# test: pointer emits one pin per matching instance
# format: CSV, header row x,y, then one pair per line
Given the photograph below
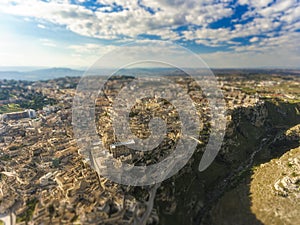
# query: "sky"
x,y
224,33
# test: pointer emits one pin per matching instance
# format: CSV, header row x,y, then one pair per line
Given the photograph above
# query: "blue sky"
x,y
224,33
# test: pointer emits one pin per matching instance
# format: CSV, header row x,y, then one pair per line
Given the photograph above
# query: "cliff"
x,y
223,193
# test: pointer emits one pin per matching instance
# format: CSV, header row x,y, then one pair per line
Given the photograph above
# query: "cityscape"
x,y
149,112
47,179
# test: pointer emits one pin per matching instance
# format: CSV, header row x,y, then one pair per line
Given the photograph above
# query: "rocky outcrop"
x,y
275,190
254,135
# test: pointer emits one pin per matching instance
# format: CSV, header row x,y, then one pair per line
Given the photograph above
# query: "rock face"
x,y
222,194
275,190
293,134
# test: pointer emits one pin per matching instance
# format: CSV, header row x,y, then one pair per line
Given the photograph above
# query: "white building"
x,y
31,113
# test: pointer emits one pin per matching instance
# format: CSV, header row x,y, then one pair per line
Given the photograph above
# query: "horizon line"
x,y
84,69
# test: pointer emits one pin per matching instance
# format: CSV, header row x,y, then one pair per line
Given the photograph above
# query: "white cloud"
x,y
254,39
47,42
255,3
132,21
41,26
271,25
135,20
92,49
281,57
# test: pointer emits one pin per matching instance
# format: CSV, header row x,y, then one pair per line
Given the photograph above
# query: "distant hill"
x,y
251,71
57,72
41,74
